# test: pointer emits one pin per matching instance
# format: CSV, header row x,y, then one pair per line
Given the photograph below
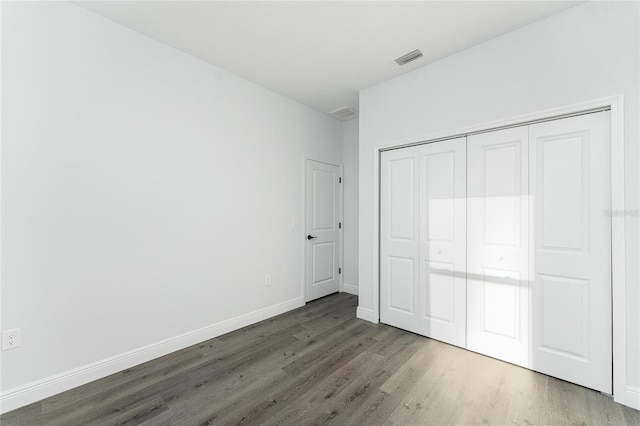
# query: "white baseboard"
x,y
44,388
366,314
630,398
350,288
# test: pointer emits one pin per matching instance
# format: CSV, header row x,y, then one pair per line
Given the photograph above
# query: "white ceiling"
x,y
321,53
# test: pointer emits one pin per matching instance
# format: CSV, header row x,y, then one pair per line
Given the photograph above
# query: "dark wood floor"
x,y
321,365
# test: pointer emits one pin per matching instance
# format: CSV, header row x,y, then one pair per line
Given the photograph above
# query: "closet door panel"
x,y
571,255
497,256
442,194
399,238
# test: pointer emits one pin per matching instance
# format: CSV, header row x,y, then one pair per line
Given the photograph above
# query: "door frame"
x,y
622,392
303,222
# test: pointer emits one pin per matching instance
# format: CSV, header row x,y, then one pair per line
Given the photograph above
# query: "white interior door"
x,y
423,239
443,240
323,235
497,245
399,238
570,185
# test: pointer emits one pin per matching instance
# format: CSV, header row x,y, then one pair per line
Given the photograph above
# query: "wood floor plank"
x,y
328,346
317,406
395,351
377,408
137,413
435,395
529,405
232,394
320,365
86,396
305,378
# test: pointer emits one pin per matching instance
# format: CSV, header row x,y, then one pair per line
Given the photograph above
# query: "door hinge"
x,y
339,270
339,180
339,225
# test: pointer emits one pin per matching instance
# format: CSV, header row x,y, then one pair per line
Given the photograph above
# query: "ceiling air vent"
x,y
345,113
411,56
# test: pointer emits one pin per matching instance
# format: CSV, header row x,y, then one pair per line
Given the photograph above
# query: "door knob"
x,y
309,237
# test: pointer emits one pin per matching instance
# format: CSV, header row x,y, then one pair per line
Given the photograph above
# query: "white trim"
x,y
350,288
629,396
341,229
634,393
366,314
622,393
1,175
375,313
519,119
303,229
40,389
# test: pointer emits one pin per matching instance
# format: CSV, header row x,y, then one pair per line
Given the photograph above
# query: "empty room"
x,y
320,212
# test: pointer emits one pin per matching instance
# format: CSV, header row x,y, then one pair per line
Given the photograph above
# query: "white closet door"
x,y
570,186
442,291
423,239
497,254
399,238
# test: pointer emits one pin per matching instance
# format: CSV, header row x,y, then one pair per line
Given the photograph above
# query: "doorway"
x,y
323,229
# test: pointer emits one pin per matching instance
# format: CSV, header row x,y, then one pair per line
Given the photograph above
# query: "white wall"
x,y
588,52
350,161
145,194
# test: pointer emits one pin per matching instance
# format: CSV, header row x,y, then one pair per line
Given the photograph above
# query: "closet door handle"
x,y
309,237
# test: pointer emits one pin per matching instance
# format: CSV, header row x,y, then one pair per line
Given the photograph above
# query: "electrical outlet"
x,y
267,279
10,339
